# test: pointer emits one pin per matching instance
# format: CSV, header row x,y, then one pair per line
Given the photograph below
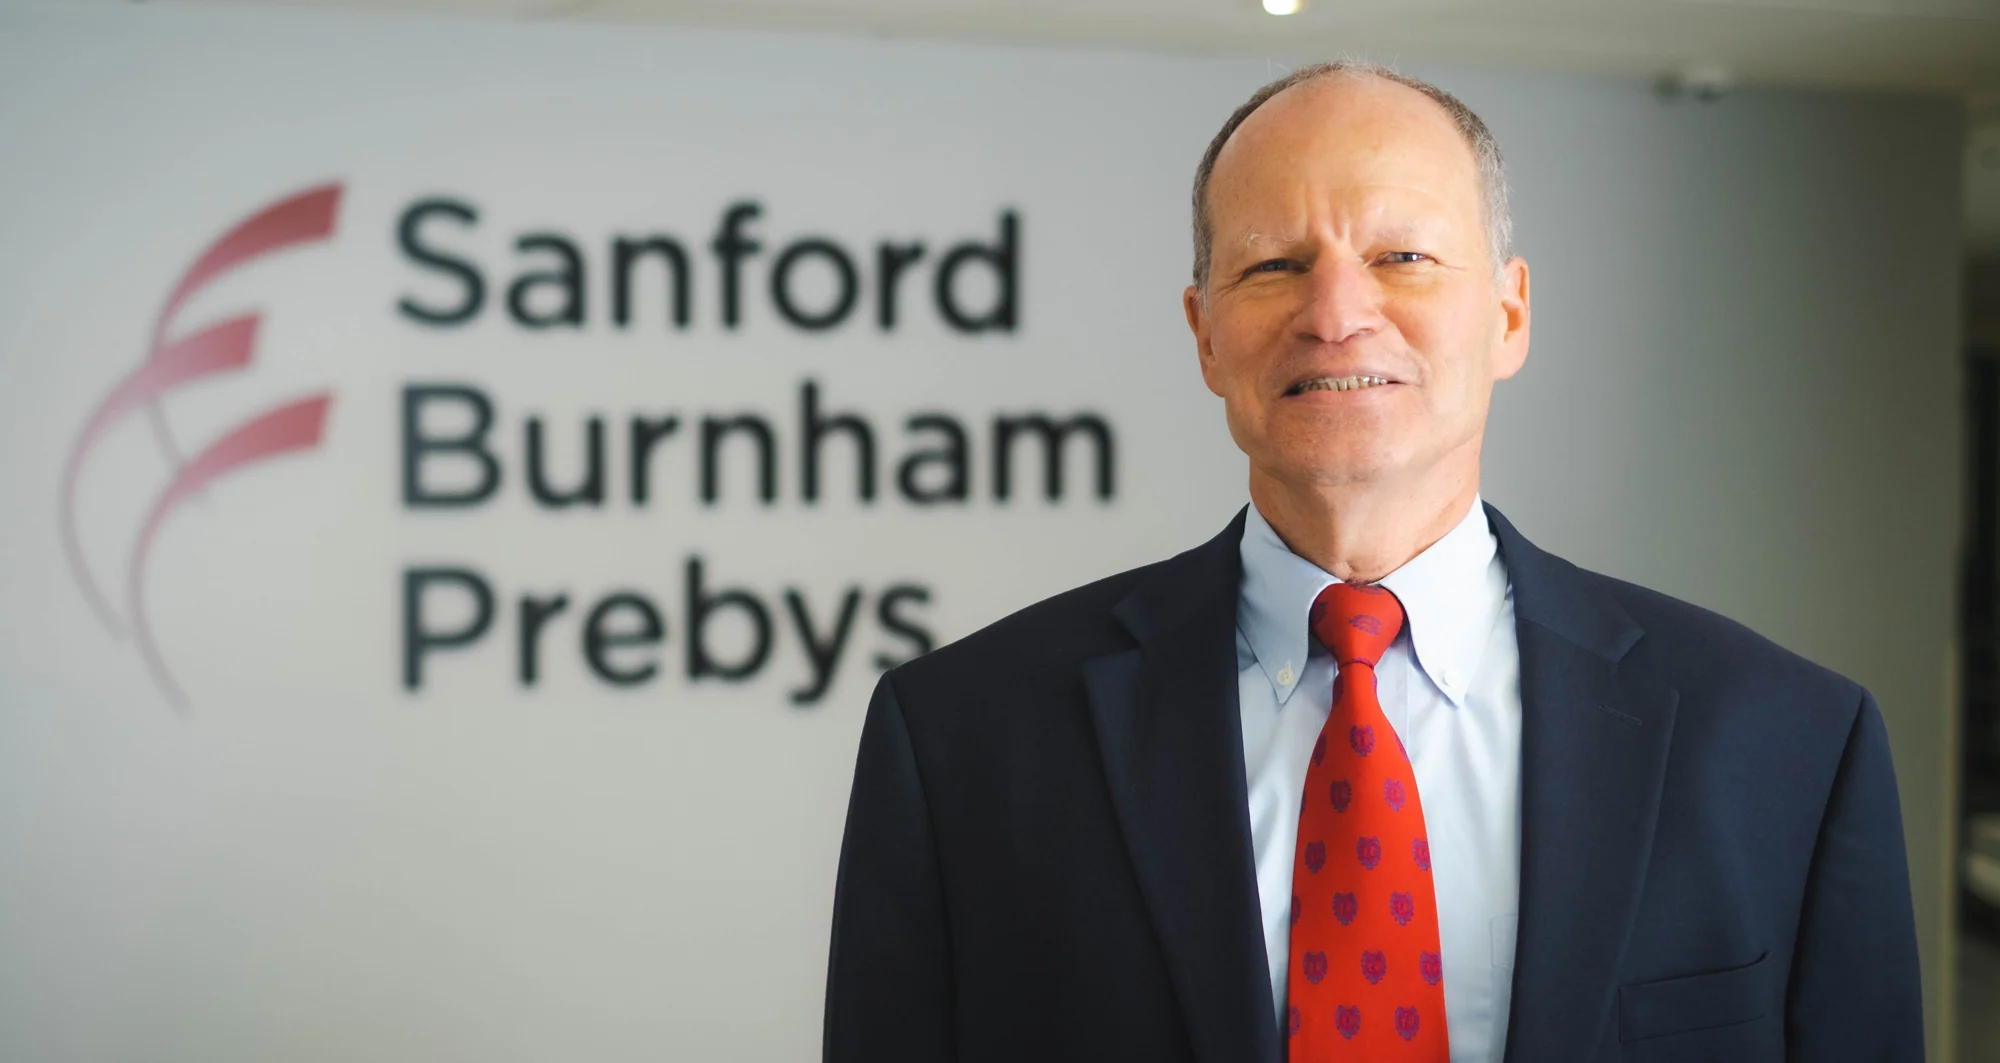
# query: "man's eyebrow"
x,y
1418,230
1252,238
1405,230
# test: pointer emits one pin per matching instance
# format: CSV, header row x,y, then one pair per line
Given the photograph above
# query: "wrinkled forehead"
x,y
1352,143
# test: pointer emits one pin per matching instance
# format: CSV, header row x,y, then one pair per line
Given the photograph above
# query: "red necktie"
x,y
1367,976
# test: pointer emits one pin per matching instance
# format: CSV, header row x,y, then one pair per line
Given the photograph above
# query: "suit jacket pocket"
x,y
1695,1002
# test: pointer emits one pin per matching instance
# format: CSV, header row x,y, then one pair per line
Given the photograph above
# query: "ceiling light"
x,y
1283,7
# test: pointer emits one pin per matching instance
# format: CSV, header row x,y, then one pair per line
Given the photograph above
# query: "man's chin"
x,y
1362,467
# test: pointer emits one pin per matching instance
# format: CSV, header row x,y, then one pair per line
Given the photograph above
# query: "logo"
x,y
1347,1019
1344,907
1341,793
176,358
1374,966
1403,907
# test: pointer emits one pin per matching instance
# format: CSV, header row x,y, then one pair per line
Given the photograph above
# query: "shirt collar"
x,y
1450,595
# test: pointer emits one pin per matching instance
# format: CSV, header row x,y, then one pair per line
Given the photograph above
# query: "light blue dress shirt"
x,y
1451,687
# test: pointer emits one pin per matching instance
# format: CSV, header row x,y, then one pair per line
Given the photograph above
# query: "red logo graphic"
x,y
1341,792
1347,1019
1403,907
173,361
1406,1022
1374,966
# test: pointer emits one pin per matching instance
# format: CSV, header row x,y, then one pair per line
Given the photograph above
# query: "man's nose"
x,y
1343,301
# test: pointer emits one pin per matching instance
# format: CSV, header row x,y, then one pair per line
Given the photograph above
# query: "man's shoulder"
x,y
1039,651
1695,650
1055,634
1699,650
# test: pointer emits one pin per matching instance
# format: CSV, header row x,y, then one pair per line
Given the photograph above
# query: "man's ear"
x,y
1515,317
1195,305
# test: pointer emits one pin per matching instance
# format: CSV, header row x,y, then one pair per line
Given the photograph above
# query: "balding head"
x,y
1351,304
1478,140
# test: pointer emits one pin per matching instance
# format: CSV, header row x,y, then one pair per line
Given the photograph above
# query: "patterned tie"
x,y
1367,976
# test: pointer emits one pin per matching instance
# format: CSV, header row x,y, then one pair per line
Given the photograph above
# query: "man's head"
x,y
1351,228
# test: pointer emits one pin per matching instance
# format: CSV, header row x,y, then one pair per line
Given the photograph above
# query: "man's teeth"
x,y
1339,383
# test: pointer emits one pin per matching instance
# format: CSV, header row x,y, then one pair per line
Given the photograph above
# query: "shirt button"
x,y
1285,676
1453,678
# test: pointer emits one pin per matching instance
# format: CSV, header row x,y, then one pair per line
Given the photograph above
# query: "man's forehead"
x,y
1347,95
1365,153
1344,121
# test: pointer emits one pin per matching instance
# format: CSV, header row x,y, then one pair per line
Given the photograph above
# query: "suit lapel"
x,y
1594,742
1171,738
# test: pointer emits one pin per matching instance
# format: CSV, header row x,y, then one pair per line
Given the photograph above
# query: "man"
x,y
1368,776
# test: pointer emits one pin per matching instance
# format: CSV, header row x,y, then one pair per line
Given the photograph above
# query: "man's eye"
x,y
1401,257
1273,265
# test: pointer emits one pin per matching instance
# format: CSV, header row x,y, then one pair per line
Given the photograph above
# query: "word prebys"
x,y
620,635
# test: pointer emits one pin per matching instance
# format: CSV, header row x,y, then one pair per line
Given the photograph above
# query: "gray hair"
x,y
1485,152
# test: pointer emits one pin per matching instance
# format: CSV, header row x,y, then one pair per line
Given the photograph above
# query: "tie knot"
x,y
1356,622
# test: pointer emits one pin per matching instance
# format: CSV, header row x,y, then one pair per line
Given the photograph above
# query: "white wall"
x,y
1742,391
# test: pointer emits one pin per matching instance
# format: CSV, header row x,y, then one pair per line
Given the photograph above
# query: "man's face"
x,y
1350,248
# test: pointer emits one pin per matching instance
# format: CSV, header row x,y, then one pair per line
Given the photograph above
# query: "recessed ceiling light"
x,y
1283,7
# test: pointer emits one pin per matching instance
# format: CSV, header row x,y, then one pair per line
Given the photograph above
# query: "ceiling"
x,y
1949,47
1914,45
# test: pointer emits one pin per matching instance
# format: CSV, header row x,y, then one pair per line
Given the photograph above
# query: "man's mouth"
x,y
1337,383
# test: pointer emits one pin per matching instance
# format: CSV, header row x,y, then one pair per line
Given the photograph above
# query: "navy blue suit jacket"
x,y
1047,854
